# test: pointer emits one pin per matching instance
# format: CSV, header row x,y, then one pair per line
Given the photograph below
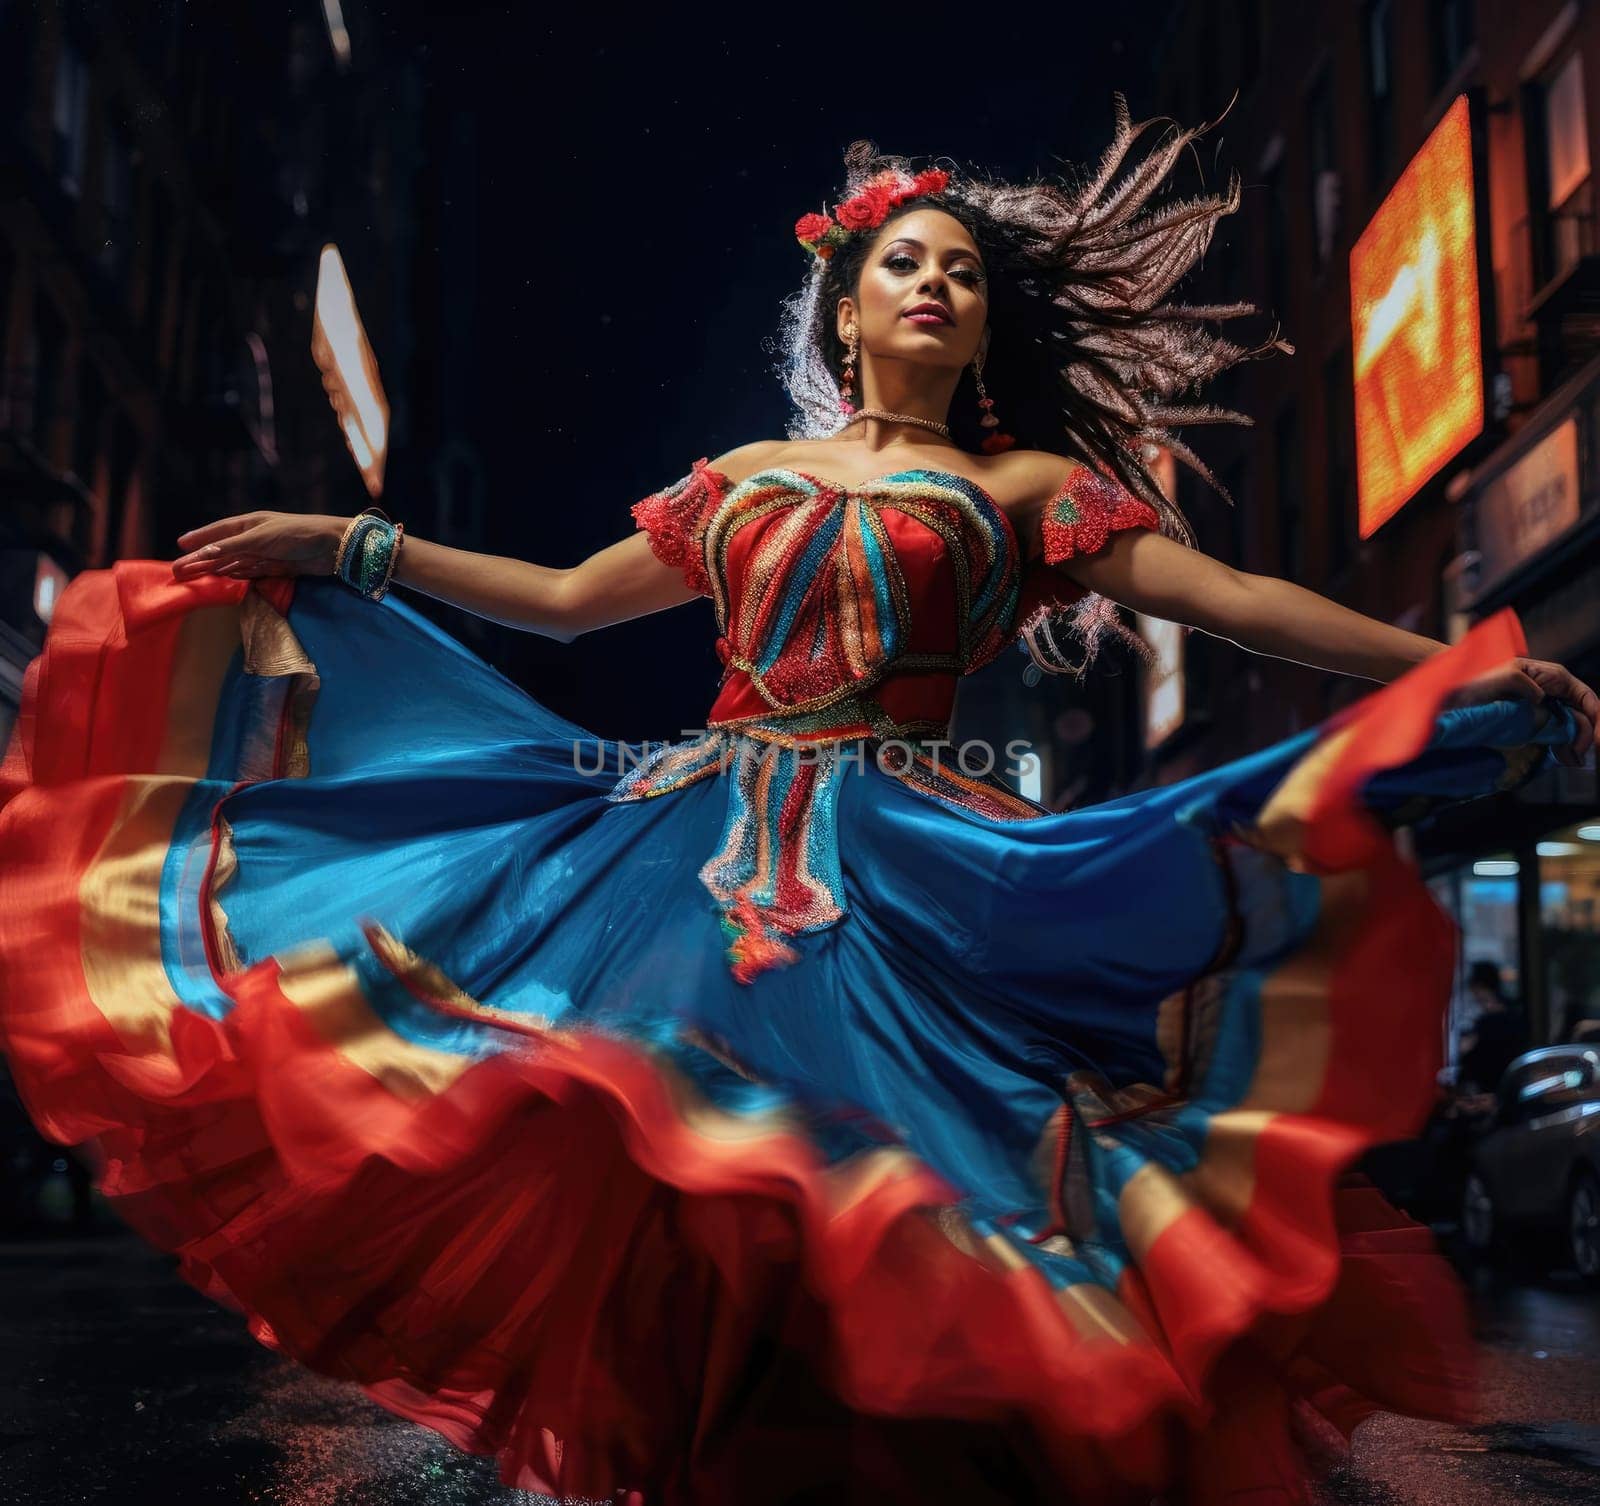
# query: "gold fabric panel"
x,y
119,900
328,992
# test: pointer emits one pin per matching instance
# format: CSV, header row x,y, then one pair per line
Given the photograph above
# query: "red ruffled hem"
x,y
563,1259
548,1263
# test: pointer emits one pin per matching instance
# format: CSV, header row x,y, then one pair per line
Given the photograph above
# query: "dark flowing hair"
x,y
1087,356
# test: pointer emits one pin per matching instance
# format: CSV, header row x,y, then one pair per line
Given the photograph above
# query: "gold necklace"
x,y
899,418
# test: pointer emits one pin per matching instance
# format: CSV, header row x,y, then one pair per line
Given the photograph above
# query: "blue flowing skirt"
x,y
333,949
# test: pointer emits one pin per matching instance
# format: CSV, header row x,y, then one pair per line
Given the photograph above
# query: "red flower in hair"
x,y
866,210
812,227
884,197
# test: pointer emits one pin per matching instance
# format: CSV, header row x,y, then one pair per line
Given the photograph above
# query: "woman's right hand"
x,y
1537,680
261,543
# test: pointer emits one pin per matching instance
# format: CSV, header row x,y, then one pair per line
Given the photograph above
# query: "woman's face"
x,y
925,256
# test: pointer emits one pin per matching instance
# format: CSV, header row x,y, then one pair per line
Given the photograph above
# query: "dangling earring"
x,y
846,391
993,444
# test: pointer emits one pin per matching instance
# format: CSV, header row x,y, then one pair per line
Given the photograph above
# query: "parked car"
x,y
1536,1170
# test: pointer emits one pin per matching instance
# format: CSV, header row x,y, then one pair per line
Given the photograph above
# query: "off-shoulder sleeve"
x,y
1087,510
1079,519
675,519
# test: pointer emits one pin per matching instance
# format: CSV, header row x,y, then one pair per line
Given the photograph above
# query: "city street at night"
x,y
755,762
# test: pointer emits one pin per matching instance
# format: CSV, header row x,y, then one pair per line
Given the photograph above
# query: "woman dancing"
x,y
789,1113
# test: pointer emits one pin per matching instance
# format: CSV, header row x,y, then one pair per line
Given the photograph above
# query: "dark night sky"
x,y
633,209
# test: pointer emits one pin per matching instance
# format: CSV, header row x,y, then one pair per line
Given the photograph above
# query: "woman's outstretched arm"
x,y
1151,573
622,580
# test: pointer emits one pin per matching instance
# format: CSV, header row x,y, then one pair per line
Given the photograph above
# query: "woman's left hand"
x,y
1538,680
261,543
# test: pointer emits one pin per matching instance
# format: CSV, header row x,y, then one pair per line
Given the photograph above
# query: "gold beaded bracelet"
x,y
396,543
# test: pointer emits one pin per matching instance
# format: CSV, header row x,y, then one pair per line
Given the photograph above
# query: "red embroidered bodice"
x,y
845,616
848,611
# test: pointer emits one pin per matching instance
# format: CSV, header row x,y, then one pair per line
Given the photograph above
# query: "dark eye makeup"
x,y
972,274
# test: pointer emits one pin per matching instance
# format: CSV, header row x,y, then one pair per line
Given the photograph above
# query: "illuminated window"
x,y
344,355
1557,122
1165,697
49,581
1566,132
1569,918
1482,899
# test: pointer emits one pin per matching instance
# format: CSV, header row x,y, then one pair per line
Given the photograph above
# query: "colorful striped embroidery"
x,y
776,870
823,605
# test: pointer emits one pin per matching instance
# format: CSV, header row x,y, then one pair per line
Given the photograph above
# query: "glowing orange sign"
x,y
1416,335
344,356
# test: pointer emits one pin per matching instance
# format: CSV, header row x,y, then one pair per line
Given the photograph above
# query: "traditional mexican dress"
x,y
780,1114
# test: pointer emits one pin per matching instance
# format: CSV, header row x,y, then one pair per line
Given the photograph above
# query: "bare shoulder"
x,y
1022,481
746,459
1035,475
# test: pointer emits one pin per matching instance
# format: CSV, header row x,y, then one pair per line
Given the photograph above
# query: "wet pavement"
x,y
120,1384
1540,1333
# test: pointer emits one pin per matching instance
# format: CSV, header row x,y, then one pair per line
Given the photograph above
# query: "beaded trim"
x,y
1086,511
983,795
674,520
846,716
